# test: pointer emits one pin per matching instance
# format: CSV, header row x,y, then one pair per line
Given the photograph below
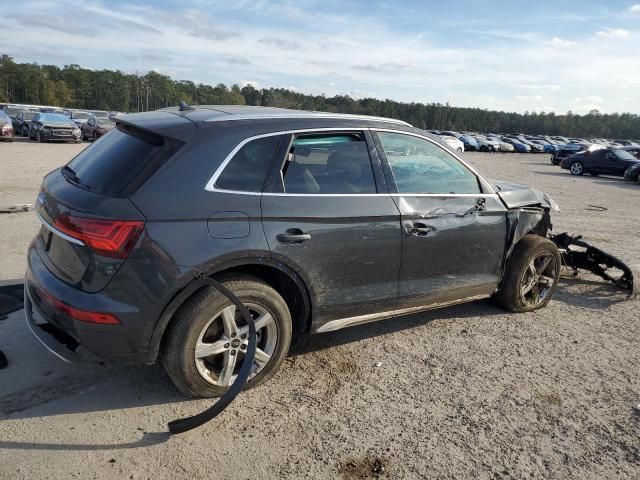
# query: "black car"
x,y
53,127
315,221
22,122
606,161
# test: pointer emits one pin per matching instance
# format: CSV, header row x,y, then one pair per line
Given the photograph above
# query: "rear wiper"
x,y
70,174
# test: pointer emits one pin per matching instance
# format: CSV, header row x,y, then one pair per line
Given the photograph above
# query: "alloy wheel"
x,y
576,168
222,343
538,279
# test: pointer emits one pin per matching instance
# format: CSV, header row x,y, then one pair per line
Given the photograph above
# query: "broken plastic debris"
x,y
20,207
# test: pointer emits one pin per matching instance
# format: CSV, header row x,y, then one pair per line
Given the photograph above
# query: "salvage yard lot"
x,y
468,391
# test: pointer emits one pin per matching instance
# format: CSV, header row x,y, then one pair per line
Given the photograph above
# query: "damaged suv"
x,y
316,221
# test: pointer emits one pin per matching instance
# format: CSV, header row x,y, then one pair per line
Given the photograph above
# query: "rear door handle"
x,y
418,229
293,235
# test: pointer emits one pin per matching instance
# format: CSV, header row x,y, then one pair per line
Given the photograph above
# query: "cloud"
x,y
383,67
635,8
535,86
197,24
234,60
280,43
560,42
614,33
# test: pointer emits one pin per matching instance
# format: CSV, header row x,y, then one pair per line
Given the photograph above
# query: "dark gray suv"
x,y
316,221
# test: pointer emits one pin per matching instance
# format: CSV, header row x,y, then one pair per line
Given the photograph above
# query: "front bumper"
x,y
52,136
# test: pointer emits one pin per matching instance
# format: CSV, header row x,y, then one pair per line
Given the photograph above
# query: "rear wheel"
x,y
532,275
576,168
204,347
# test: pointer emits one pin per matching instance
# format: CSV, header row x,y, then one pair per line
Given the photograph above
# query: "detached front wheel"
x,y
532,275
206,342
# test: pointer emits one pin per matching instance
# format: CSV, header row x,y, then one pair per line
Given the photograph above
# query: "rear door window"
x,y
247,170
120,162
328,164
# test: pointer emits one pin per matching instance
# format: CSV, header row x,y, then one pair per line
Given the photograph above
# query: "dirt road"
x,y
468,391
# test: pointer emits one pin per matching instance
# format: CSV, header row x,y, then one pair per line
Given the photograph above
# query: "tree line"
x,y
75,87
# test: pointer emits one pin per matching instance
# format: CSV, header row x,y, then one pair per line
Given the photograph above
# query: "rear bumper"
x,y
73,340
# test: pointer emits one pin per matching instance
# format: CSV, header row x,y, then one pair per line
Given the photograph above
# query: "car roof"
x,y
218,113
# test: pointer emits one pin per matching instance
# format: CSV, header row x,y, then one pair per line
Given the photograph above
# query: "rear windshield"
x,y
120,162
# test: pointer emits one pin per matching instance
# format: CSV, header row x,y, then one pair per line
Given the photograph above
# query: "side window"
x,y
249,167
328,163
419,166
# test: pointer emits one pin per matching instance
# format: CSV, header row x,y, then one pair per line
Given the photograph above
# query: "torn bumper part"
x,y
590,258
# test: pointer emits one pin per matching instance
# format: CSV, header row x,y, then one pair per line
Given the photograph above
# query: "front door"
x,y
453,226
327,213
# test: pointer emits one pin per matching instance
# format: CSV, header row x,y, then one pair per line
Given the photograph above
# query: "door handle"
x,y
293,236
418,229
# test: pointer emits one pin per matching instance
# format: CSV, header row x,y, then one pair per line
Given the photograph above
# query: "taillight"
x,y
77,314
110,238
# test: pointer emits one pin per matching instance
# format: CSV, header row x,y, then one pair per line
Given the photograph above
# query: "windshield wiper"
x,y
70,174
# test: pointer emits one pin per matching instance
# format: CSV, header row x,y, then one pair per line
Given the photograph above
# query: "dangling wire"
x,y
185,424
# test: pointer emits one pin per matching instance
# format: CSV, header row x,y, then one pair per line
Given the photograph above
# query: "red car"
x,y
96,127
6,127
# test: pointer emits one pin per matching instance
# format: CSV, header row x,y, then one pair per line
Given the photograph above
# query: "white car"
x,y
453,143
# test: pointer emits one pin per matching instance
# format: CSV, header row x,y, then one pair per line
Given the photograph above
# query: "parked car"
x,y
517,145
504,146
607,161
470,143
315,221
79,117
96,127
453,143
22,122
633,173
6,127
486,144
635,151
564,151
546,146
53,127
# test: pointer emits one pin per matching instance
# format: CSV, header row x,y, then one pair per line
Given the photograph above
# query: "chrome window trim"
x,y
210,186
54,230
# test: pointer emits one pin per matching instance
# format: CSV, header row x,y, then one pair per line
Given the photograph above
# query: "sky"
x,y
543,55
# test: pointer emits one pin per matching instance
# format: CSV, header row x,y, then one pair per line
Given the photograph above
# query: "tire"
x,y
201,317
576,168
484,148
25,132
531,250
459,150
39,138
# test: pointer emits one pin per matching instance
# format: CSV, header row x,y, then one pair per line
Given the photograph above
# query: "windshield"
x,y
28,115
81,115
624,155
55,117
104,121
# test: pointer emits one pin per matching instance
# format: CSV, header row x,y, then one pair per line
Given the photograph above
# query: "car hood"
x,y
516,195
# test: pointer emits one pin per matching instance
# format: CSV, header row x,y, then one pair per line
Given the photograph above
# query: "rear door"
x,y
327,213
453,224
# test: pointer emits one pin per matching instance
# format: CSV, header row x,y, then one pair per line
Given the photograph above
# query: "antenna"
x,y
184,106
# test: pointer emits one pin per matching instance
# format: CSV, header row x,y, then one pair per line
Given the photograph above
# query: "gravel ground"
x,y
468,391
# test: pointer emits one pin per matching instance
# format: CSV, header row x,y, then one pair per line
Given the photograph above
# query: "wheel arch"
x,y
284,279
